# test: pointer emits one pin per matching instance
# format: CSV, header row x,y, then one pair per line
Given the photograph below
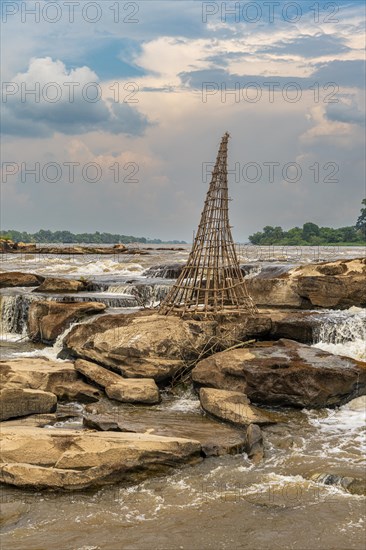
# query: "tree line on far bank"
x,y
66,237
312,234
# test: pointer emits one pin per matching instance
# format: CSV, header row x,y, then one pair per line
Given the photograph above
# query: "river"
x,y
223,502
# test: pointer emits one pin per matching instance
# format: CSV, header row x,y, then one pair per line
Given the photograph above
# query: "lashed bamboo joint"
x,y
211,282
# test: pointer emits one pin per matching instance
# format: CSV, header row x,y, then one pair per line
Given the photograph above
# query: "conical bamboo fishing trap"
x,y
211,282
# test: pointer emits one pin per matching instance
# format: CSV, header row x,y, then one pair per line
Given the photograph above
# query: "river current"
x,y
294,499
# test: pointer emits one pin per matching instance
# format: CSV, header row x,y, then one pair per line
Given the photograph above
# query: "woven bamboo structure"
x,y
211,282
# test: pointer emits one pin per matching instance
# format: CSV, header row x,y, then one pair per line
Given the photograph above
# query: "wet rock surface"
x,y
48,319
215,438
355,486
284,373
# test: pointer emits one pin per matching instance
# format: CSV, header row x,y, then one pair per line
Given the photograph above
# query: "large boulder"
x,y
15,402
148,345
16,278
338,284
57,284
126,390
235,408
58,378
284,373
37,458
48,319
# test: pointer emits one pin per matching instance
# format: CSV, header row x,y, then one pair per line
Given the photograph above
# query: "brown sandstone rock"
x,y
26,247
155,346
16,278
126,390
49,319
69,459
215,437
235,407
59,378
338,284
57,284
284,373
16,402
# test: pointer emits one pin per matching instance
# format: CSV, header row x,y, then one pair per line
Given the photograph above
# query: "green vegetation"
x,y
312,234
361,222
67,237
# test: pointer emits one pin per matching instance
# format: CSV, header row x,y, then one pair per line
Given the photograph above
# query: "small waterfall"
x,y
343,333
168,271
140,295
14,313
124,289
264,271
250,270
108,298
150,295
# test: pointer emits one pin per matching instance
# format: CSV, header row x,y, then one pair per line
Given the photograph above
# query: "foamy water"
x,y
344,333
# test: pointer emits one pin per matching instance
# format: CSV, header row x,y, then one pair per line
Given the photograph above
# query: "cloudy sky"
x,y
112,113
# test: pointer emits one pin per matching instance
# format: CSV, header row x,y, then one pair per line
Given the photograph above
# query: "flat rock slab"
x,y
48,319
235,407
216,438
15,402
57,284
59,378
284,373
38,458
126,390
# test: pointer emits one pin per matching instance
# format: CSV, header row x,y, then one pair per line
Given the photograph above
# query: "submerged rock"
x,y
126,390
16,402
12,512
40,373
355,486
235,407
37,458
148,345
15,278
48,319
254,443
284,373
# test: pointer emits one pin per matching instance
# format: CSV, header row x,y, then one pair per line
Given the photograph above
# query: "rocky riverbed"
x,y
95,395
